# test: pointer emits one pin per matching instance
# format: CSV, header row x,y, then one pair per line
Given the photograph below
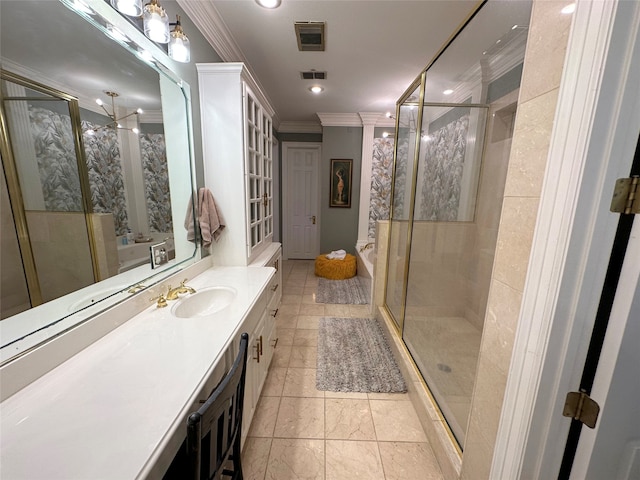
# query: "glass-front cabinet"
x,y
238,160
453,140
259,169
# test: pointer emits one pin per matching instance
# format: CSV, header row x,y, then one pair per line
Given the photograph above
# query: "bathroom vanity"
x,y
118,408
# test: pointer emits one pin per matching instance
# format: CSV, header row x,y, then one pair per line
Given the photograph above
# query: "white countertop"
x,y
110,411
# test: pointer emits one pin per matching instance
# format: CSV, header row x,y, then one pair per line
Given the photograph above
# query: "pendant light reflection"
x,y
179,48
133,8
115,121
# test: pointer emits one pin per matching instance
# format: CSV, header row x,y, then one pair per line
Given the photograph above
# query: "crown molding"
x,y
151,116
299,127
355,119
84,101
340,119
369,118
206,18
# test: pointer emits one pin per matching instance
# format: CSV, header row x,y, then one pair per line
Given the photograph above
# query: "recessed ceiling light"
x,y
316,89
569,8
448,91
269,3
514,27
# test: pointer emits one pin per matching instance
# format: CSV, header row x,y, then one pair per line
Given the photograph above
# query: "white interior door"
x,y
301,219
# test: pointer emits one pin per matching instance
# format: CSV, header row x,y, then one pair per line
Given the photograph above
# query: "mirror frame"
x,y
104,14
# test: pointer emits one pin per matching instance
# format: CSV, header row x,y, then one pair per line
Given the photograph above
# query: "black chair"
x,y
214,431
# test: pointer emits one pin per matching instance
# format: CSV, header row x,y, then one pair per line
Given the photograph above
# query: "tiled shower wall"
x,y
544,61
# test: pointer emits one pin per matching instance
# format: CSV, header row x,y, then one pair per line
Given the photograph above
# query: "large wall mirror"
x,y
86,190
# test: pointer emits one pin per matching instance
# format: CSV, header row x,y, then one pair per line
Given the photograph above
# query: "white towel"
x,y
209,218
337,255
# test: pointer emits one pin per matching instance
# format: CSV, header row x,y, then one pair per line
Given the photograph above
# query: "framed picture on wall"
x,y
340,183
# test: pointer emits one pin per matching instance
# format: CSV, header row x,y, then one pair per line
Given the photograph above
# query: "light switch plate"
x,y
159,254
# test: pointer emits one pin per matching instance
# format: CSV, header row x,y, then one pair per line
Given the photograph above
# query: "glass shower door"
x,y
41,154
449,182
443,321
402,203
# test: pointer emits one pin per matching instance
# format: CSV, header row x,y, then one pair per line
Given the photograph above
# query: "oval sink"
x,y
205,302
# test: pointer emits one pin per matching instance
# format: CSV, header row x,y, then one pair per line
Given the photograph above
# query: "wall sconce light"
x,y
390,115
388,134
155,22
179,47
115,122
133,8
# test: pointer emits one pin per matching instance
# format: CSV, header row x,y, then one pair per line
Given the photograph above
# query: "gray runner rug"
x,y
347,291
353,356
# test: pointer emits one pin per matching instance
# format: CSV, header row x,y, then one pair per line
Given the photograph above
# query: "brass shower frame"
x,y
421,82
13,181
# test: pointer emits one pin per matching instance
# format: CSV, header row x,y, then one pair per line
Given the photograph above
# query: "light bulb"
x,y
133,8
156,22
179,46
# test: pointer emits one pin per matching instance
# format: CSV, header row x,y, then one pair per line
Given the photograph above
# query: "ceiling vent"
x,y
310,36
313,75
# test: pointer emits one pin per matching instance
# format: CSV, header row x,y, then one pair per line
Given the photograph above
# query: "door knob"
x,y
313,219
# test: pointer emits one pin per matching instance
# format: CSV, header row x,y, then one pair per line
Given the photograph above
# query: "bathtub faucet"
x,y
367,245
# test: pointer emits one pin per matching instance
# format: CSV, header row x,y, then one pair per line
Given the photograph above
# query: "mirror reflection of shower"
x,y
113,181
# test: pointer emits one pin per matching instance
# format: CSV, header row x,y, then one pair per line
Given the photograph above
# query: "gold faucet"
x,y
136,288
162,301
173,293
367,245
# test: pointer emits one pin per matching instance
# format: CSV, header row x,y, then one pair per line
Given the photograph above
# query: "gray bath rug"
x,y
353,356
347,291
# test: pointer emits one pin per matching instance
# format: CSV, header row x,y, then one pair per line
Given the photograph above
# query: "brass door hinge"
x,y
626,196
579,406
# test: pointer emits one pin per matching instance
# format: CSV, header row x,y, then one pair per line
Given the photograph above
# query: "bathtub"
x,y
365,271
135,254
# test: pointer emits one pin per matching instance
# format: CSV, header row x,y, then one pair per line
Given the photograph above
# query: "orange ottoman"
x,y
335,269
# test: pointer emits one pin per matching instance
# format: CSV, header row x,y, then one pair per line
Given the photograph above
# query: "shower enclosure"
x,y
453,140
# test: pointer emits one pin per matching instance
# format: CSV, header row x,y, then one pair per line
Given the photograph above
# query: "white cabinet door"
x,y
238,159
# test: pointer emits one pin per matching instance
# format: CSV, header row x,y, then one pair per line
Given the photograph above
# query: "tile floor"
x,y
299,432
